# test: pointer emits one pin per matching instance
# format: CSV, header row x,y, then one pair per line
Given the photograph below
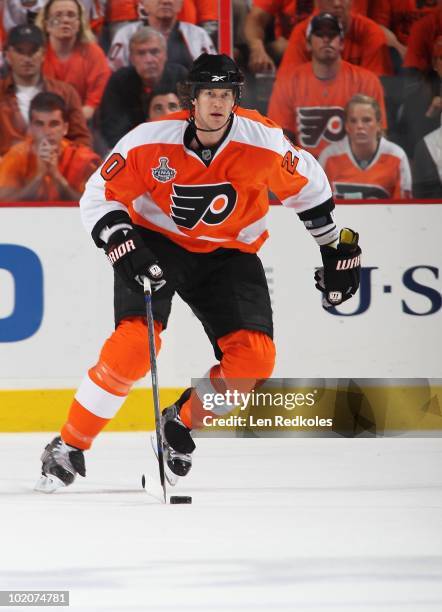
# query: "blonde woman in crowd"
x,y
365,165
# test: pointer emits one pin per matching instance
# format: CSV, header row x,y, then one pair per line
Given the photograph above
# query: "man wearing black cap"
x,y
183,201
24,56
364,40
309,100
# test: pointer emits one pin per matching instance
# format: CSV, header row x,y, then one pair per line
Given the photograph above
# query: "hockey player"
x,y
182,200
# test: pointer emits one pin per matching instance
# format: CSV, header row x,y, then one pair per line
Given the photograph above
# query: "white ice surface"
x,y
314,525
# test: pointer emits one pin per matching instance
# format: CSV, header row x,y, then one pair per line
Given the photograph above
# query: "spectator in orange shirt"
x,y
423,36
364,165
24,56
264,55
364,42
71,54
46,166
397,16
284,14
308,101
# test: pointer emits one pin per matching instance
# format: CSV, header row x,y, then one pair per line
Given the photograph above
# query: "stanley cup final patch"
x,y
163,173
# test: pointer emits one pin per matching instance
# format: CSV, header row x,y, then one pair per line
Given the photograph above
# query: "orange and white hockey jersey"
x,y
166,187
386,176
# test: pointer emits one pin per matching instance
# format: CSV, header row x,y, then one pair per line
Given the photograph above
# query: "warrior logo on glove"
x,y
120,250
346,264
133,260
338,279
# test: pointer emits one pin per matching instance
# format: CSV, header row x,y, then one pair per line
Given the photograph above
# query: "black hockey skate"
x,y
60,464
177,442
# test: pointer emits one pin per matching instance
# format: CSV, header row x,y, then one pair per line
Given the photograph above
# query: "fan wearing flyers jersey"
x,y
308,101
183,200
365,165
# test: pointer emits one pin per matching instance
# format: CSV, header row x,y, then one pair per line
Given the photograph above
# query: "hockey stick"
x,y
154,376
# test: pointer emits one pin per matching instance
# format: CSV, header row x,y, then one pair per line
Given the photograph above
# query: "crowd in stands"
x,y
357,83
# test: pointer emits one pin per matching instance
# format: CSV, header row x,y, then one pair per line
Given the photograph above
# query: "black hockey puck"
x,y
180,499
143,481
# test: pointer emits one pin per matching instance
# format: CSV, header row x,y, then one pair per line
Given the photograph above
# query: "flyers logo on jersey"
x,y
316,123
210,204
163,173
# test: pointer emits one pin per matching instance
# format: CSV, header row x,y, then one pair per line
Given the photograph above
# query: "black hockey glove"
x,y
132,260
338,279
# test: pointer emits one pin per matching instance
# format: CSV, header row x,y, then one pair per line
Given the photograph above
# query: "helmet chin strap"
x,y
209,130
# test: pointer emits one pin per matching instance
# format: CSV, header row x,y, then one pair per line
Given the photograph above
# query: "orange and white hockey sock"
x,y
124,359
248,356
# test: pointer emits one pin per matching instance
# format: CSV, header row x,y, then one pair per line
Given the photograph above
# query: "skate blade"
x,y
171,478
48,484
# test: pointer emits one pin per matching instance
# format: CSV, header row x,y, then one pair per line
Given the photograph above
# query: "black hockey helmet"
x,y
213,71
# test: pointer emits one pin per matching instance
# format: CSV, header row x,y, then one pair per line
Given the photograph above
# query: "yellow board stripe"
x,y
46,409
396,408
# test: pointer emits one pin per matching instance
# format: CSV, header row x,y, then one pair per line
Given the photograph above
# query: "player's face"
x,y
25,59
63,19
338,8
362,126
148,58
163,105
213,107
326,45
162,9
48,126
